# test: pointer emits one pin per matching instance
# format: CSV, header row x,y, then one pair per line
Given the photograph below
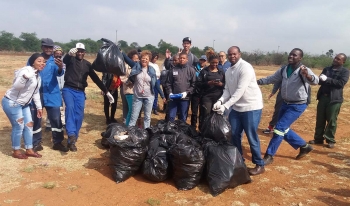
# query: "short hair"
x,y
211,55
146,53
183,54
222,52
343,56
236,47
154,55
301,51
176,56
132,53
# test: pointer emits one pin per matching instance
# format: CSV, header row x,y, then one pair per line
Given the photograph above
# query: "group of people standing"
x,y
208,84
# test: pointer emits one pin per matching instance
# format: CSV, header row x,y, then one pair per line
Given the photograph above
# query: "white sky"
x,y
313,25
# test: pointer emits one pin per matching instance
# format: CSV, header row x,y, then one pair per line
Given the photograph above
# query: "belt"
x,y
295,102
74,88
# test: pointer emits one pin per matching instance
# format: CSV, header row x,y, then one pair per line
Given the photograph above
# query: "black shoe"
x,y
71,145
38,147
155,112
304,151
257,170
268,159
315,142
330,145
113,120
60,147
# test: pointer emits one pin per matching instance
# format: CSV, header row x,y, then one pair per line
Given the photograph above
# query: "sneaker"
x,y
38,147
267,131
60,147
304,151
330,145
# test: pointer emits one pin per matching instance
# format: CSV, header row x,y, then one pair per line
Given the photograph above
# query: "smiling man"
x,y
244,95
295,79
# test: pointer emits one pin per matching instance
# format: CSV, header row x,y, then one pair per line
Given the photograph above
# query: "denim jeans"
x,y
129,98
156,92
249,122
75,104
15,112
288,114
180,104
136,108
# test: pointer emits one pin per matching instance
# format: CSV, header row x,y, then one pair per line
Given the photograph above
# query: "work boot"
x,y
330,145
315,142
304,151
257,170
71,145
268,159
60,147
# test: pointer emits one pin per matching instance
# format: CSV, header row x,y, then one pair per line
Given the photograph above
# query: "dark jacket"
x,y
202,80
181,78
336,80
77,72
163,76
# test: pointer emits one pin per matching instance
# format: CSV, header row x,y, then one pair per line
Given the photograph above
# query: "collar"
x,y
233,66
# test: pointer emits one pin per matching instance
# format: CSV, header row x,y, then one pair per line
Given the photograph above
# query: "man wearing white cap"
x,y
77,71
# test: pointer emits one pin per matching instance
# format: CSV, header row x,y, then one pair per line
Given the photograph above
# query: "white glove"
x,y
184,94
110,98
170,95
221,110
28,74
73,51
323,77
217,105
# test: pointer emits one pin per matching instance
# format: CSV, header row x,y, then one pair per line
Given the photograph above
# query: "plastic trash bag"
x,y
127,156
225,167
216,127
155,166
187,159
112,130
109,59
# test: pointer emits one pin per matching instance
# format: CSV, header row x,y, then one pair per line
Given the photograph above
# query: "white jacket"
x,y
241,89
24,90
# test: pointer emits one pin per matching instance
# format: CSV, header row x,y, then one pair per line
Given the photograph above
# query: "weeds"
x,y
153,202
49,185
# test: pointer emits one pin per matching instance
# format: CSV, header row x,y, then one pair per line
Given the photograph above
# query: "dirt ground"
x,y
84,178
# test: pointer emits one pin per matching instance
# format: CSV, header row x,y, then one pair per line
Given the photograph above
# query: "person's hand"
x,y
28,74
303,70
323,77
102,93
164,100
211,82
271,95
39,113
180,50
221,110
72,51
217,105
218,84
59,63
167,54
184,94
110,98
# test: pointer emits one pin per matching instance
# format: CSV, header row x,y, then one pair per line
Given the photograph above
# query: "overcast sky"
x,y
313,25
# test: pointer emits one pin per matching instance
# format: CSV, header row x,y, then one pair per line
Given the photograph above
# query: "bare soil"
x,y
84,178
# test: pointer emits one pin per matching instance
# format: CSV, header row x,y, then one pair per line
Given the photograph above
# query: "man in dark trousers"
x,y
330,99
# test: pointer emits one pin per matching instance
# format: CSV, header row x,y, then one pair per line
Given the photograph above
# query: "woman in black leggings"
x,y
211,83
112,82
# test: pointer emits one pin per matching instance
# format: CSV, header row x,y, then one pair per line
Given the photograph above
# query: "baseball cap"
x,y
57,48
47,42
80,46
203,57
187,39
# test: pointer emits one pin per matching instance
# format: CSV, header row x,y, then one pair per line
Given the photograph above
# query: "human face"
x,y
183,59
154,60
80,54
144,61
47,50
175,60
233,55
39,63
202,62
214,63
222,57
135,58
186,45
57,54
338,60
294,57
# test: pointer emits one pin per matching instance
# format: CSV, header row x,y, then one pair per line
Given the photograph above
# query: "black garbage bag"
x,y
112,130
127,155
155,166
187,160
225,167
216,127
109,59
187,129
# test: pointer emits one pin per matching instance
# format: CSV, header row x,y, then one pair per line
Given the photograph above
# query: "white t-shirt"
x,y
156,67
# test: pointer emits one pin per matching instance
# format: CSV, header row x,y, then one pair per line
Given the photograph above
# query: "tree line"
x,y
29,42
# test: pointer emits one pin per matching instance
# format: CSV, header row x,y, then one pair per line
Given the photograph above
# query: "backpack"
x,y
308,91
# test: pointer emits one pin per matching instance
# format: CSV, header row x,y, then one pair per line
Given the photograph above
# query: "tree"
x,y
329,53
123,44
197,52
163,46
150,47
134,45
30,42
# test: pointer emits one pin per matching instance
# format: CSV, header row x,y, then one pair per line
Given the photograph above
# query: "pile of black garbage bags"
x,y
176,150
